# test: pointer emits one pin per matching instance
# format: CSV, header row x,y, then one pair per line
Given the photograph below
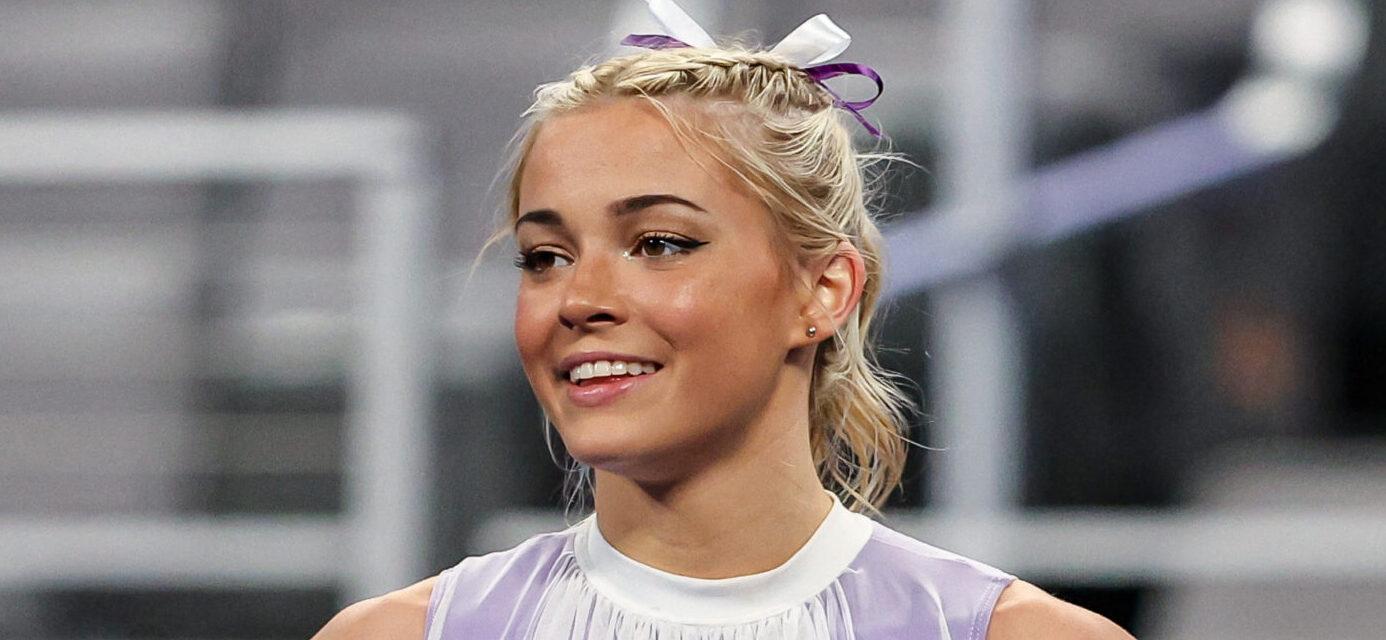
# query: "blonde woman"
x,y
699,274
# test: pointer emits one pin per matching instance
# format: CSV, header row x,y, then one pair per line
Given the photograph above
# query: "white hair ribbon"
x,y
817,40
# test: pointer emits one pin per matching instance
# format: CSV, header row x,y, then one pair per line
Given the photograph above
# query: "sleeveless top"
x,y
854,579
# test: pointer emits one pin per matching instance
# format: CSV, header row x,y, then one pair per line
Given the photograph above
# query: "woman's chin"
x,y
634,455
608,454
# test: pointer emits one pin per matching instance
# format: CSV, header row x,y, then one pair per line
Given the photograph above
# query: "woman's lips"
x,y
602,391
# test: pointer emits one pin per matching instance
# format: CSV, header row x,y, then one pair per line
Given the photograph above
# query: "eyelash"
x,y
526,260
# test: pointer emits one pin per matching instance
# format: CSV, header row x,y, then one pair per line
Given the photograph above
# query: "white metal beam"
x,y
71,148
977,366
126,551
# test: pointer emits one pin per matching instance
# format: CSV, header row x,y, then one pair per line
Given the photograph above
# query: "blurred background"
x,y
1139,290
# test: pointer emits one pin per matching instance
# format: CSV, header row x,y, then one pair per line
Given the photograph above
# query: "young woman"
x,y
699,274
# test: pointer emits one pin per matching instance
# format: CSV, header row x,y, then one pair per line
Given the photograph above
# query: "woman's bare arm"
x,y
398,615
1026,612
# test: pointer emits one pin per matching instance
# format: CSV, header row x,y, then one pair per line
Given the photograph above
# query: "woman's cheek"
x,y
677,311
529,328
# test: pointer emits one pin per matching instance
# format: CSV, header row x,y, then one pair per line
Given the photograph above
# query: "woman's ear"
x,y
837,283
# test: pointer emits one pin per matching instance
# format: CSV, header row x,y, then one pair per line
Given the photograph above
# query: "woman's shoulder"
x,y
907,556
398,614
1026,612
1006,607
404,613
537,549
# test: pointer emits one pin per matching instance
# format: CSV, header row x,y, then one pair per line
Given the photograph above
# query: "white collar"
x,y
646,590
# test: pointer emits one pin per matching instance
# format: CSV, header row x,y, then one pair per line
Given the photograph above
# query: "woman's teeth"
x,y
608,368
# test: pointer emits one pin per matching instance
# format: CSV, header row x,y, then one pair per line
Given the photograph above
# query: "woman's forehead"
x,y
620,145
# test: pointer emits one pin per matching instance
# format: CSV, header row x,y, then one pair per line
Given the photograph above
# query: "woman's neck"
x,y
741,515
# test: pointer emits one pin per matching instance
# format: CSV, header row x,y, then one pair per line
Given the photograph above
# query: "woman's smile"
x,y
602,390
594,378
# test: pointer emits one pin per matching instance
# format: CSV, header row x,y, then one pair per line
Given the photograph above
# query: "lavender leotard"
x,y
854,579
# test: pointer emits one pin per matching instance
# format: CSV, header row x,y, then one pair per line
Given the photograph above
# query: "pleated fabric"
x,y
855,579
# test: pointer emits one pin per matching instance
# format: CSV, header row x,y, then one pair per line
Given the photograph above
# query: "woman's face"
x,y
701,293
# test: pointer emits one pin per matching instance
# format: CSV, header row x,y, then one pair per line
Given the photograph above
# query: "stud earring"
x,y
812,331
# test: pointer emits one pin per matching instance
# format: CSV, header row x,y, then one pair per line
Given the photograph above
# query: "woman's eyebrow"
x,y
545,217
633,204
637,203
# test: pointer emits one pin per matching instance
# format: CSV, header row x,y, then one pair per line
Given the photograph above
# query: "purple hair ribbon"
x,y
819,73
653,41
823,72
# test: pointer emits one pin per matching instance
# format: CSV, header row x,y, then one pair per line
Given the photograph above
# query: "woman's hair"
x,y
778,131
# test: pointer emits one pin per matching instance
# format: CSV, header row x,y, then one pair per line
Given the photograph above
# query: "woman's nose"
x,y
591,298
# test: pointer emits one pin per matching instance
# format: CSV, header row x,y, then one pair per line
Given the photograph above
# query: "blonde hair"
x,y
777,130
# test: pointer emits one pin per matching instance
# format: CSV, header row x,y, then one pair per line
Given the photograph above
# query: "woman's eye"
x,y
659,246
539,261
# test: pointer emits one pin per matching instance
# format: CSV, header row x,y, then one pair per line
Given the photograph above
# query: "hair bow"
x,y
815,41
